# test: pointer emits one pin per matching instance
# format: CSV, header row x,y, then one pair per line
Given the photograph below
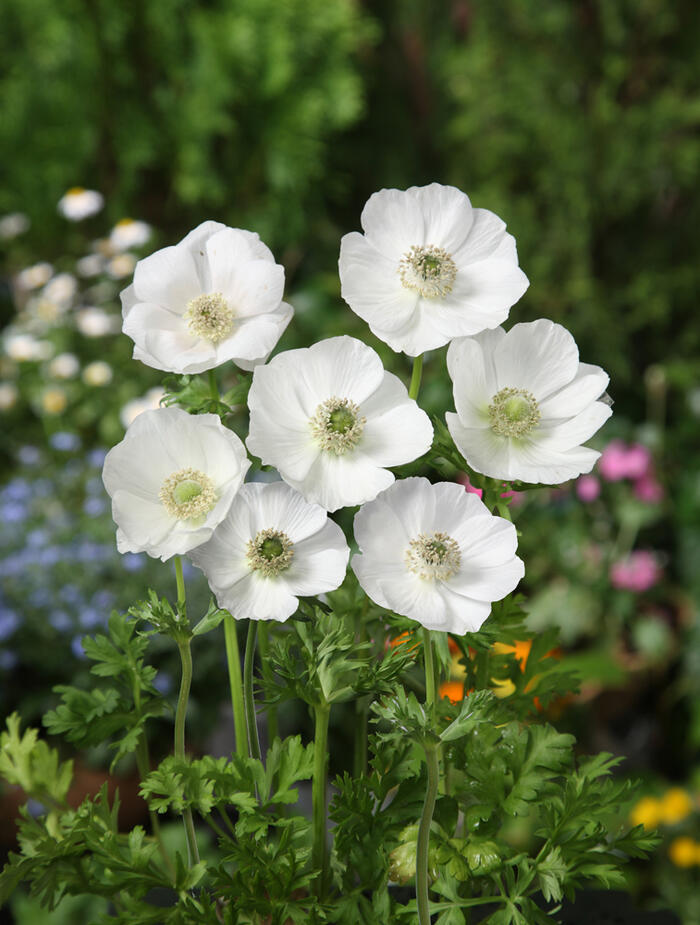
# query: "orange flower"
x,y
453,690
683,851
521,650
404,638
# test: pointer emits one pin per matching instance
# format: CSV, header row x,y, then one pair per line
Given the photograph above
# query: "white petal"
x,y
319,563
487,582
249,285
274,505
563,435
223,558
343,367
258,598
168,277
163,337
393,222
471,368
447,214
397,430
539,356
588,385
415,598
484,451
465,615
484,290
144,523
371,286
341,481
487,238
280,319
195,242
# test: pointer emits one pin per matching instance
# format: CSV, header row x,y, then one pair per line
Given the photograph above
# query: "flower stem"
x,y
180,713
236,684
416,376
431,755
322,713
179,578
424,837
264,644
213,387
253,741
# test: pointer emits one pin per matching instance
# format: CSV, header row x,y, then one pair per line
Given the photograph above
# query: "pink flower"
x,y
516,497
464,480
587,488
638,572
621,461
649,489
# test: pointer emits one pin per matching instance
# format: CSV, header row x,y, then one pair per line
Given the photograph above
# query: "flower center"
x,y
428,270
209,316
337,425
187,494
270,553
433,556
513,412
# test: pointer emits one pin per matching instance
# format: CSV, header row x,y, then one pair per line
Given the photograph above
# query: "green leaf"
x,y
211,619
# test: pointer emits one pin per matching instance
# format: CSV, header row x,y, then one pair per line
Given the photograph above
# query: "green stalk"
x,y
271,710
416,376
180,580
253,741
180,713
233,659
424,836
322,712
432,761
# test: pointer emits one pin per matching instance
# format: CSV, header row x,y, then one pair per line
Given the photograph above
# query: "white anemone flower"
x,y
330,419
172,480
272,548
435,554
79,203
525,403
429,268
214,297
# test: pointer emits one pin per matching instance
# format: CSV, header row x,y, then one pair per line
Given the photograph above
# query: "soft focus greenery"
x,y
575,120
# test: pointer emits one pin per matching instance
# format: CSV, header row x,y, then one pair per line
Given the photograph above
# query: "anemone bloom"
x,y
172,480
429,268
435,554
525,403
214,297
272,548
330,419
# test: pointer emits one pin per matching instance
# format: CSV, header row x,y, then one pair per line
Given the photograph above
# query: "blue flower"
x,y
13,512
9,621
71,594
103,599
94,506
96,457
37,538
77,646
17,490
90,617
163,683
29,455
8,659
60,621
133,561
64,441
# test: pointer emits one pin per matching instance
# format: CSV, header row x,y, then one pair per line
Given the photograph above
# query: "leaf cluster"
x,y
193,394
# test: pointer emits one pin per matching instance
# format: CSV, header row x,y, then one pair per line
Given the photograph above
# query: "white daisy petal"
x,y
168,278
393,221
542,404
342,481
172,480
395,425
420,556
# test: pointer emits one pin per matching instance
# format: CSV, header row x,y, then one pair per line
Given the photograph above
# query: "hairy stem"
x,y
253,741
235,678
318,797
424,837
180,713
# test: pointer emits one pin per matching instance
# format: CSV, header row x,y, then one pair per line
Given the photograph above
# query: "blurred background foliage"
x,y
576,121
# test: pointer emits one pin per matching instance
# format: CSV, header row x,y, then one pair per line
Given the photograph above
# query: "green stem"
x,y
322,713
179,578
416,376
424,837
180,713
264,644
253,741
429,661
213,387
236,684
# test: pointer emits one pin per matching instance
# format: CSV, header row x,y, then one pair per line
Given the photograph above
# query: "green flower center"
x,y
337,425
429,270
432,556
209,317
188,494
513,412
270,553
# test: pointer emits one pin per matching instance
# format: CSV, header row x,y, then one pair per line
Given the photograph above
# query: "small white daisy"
x,y
525,403
172,480
129,232
429,268
272,548
435,554
64,366
214,297
79,203
330,419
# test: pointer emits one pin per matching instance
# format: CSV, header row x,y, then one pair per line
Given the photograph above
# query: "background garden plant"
x,y
575,126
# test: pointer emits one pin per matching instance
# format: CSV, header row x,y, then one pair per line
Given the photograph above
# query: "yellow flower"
x,y
54,401
676,804
683,851
503,688
647,812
